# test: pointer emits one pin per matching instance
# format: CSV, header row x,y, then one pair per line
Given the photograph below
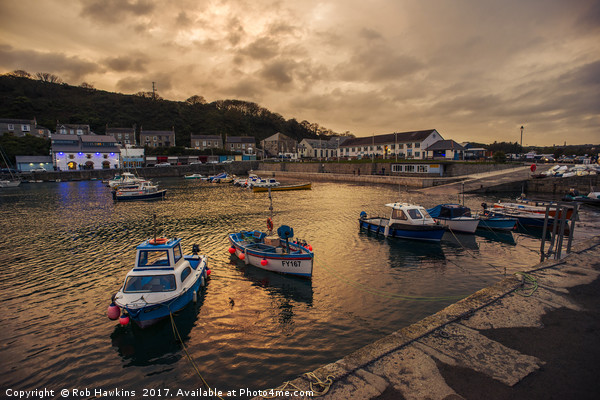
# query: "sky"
x,y
475,70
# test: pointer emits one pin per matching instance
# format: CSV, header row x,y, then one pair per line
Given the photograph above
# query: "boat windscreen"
x,y
153,258
414,213
150,283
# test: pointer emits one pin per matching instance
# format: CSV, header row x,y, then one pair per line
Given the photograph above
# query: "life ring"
x,y
269,224
158,241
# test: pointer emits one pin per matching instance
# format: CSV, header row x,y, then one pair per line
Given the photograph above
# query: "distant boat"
x,y
407,221
9,183
144,190
299,186
455,217
124,179
162,281
195,176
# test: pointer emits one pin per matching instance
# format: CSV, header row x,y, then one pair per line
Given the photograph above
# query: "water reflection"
x,y
461,241
497,236
157,344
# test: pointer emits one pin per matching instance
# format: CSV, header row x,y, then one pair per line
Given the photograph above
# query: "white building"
x,y
406,145
76,152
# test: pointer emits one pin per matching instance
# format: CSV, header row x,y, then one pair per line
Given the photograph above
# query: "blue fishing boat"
x,y
495,222
162,281
277,253
407,221
524,218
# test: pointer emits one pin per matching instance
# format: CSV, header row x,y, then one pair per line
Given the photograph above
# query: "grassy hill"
x,y
26,98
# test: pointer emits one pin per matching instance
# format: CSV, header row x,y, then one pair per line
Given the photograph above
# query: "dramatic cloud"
x,y
473,69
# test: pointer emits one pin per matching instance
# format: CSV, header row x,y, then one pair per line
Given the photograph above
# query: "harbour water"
x,y
66,248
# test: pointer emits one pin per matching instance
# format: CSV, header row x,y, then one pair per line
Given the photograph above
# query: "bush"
x,y
499,157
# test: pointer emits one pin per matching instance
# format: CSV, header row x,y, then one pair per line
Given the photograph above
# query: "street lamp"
x,y
338,149
522,139
396,145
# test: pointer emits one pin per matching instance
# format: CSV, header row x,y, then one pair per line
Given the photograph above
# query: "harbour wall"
x,y
451,169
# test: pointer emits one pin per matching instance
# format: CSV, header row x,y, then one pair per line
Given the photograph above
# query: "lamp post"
x,y
338,149
396,145
522,139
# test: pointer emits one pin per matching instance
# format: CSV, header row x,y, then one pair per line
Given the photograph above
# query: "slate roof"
x,y
445,145
398,137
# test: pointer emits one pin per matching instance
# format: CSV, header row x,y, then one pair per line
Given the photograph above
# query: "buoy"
x,y
195,296
263,262
242,256
231,250
208,272
309,247
113,311
124,320
158,241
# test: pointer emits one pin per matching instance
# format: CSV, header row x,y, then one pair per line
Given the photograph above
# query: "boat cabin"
x,y
450,211
409,214
158,267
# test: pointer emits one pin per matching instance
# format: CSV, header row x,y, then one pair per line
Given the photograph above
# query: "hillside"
x,y
26,98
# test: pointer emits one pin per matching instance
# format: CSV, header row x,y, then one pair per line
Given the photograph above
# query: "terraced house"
x,y
157,138
405,145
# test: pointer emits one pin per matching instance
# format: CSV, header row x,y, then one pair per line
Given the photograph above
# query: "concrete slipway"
x,y
534,336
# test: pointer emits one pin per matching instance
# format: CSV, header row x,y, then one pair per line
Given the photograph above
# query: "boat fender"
x,y
113,311
242,256
269,224
124,320
363,215
386,231
208,272
263,262
309,247
195,296
158,241
231,250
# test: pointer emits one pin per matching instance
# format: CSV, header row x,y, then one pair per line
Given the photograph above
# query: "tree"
x,y
87,86
195,99
19,73
499,157
48,77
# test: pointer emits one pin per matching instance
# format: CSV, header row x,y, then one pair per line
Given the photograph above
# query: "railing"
x,y
559,225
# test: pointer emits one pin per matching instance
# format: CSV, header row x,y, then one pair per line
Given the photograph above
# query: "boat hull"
x,y
7,184
143,196
298,262
150,314
430,233
526,219
304,186
460,224
498,223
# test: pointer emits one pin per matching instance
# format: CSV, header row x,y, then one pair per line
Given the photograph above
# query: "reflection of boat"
x,y
144,190
497,236
299,186
265,183
195,176
455,217
461,240
407,221
156,344
403,252
290,287
273,252
162,281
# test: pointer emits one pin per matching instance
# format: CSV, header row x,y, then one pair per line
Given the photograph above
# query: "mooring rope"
x,y
527,279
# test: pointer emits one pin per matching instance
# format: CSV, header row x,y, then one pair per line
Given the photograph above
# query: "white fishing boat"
x,y
162,281
407,221
144,190
124,178
455,217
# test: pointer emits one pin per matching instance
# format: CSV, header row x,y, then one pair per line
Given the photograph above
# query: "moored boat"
x,y
126,178
299,186
6,183
455,217
195,176
407,221
162,281
277,253
531,206
144,190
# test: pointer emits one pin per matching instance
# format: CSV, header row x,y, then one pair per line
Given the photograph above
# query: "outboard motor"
x,y
195,249
484,206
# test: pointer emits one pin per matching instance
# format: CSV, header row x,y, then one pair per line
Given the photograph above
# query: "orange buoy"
x,y
158,241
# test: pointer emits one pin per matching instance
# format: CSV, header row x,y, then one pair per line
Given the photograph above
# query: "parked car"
x,y
227,161
38,170
196,163
163,164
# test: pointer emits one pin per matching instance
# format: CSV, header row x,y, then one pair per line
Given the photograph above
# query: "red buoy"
x,y
309,247
113,311
231,250
208,271
263,262
242,256
124,320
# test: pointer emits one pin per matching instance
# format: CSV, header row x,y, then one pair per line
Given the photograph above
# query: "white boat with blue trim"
x,y
407,221
162,281
277,253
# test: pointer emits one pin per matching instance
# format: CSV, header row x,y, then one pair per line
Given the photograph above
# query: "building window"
x,y
71,156
25,128
11,127
155,141
417,154
106,156
417,145
422,168
401,146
